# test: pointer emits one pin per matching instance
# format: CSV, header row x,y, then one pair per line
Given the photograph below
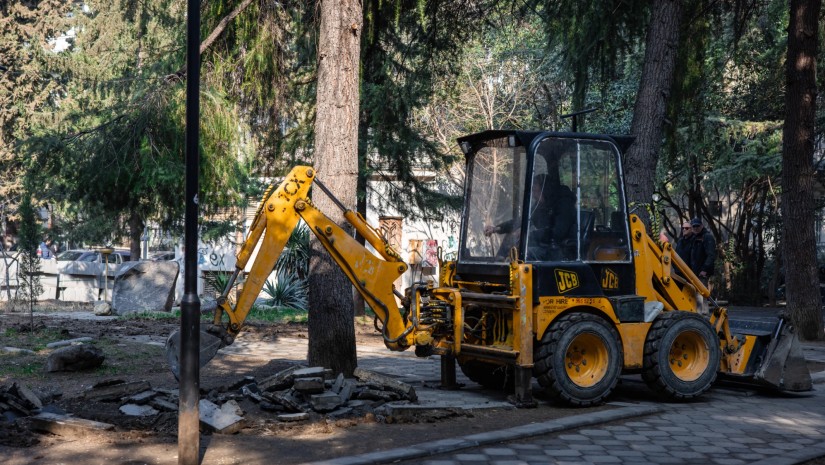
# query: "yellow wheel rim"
x,y
688,356
586,360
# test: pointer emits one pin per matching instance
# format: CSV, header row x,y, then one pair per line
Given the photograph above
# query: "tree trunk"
x,y
330,325
798,239
651,102
136,227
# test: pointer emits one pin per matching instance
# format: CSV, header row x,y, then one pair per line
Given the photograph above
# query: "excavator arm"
x,y
278,215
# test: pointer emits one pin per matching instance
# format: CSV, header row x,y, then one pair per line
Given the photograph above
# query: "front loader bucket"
x,y
209,345
775,358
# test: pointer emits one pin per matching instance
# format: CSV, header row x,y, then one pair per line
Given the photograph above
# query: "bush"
x,y
288,290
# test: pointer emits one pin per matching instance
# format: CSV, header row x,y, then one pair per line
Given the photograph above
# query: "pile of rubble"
x,y
296,394
18,401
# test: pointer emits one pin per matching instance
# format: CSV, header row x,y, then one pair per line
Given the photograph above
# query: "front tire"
x,y
681,356
579,359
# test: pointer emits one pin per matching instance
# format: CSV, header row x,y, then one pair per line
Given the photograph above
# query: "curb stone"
x,y
624,412
794,457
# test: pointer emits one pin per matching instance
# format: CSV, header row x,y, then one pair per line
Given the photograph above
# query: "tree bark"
x,y
136,227
798,238
651,102
330,325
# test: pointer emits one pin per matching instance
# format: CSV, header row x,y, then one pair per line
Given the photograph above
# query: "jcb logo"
x,y
610,280
566,280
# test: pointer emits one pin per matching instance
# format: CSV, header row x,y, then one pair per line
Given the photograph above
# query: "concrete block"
x,y
222,420
325,402
309,385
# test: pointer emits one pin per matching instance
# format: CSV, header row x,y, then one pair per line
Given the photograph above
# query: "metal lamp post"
x,y
106,251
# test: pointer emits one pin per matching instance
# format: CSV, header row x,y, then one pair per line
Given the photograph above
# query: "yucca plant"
x,y
288,290
295,257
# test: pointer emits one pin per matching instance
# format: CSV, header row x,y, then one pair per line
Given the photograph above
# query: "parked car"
x,y
161,256
94,256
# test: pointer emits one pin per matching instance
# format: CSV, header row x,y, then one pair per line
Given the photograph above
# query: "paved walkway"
x,y
729,425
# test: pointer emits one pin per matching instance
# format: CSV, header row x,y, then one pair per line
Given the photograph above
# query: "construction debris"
x,y
67,425
296,394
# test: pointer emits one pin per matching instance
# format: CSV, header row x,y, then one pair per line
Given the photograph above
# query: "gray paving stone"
x,y
508,462
648,448
521,447
767,451
469,457
749,456
617,428
728,461
637,424
563,453
662,460
807,441
573,437
607,443
587,447
631,438
625,453
594,432
602,459
708,449
688,454
498,451
787,445
745,439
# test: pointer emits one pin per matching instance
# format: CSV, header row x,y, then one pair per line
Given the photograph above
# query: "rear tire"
x,y
681,355
579,359
489,375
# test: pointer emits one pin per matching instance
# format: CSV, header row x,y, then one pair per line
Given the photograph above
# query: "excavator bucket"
x,y
209,345
775,358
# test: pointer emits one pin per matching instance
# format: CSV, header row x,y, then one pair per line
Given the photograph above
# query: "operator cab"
x,y
557,198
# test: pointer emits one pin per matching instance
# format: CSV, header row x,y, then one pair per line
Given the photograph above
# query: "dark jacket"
x,y
702,252
682,247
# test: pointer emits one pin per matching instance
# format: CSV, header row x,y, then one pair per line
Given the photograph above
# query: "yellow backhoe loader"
x,y
554,279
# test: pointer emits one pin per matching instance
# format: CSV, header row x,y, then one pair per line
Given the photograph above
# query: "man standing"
x,y
702,251
46,252
683,243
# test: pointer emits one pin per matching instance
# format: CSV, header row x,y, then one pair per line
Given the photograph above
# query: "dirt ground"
x,y
152,439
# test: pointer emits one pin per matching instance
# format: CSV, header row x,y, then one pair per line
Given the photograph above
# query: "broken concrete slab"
x,y
75,358
293,416
66,425
337,384
67,342
144,286
136,410
27,395
312,385
221,420
164,405
325,401
280,380
311,372
16,350
375,394
116,391
287,399
387,383
142,398
347,388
